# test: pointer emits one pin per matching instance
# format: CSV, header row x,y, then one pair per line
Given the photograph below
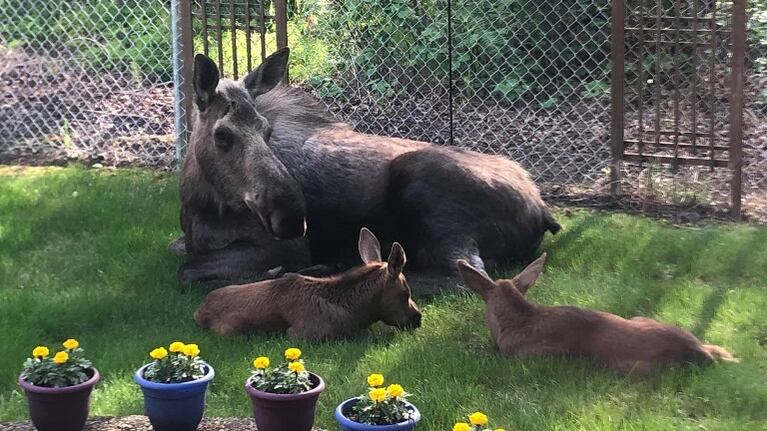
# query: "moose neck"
x,y
356,291
293,114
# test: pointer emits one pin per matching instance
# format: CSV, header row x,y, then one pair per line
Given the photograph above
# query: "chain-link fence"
x,y
527,79
86,80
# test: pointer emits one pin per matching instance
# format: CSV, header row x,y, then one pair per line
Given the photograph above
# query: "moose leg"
x,y
436,258
178,246
243,262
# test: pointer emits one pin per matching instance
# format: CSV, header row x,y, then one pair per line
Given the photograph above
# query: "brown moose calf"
x,y
318,308
638,345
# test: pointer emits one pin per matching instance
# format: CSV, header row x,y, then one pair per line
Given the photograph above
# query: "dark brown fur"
x,y
639,345
444,204
318,308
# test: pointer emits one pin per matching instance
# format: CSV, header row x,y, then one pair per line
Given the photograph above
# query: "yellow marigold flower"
x,y
296,367
71,344
191,350
261,362
395,390
61,357
461,426
40,352
499,429
158,353
378,395
478,418
292,354
375,380
176,347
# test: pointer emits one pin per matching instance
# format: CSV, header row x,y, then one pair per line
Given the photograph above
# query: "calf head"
x,y
394,302
505,299
229,143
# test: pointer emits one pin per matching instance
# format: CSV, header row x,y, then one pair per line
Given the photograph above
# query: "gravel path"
x,y
141,423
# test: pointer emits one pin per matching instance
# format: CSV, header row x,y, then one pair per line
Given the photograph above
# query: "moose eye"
x,y
223,139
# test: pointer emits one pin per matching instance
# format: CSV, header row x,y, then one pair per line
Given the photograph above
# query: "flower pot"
x,y
60,409
174,406
285,412
349,425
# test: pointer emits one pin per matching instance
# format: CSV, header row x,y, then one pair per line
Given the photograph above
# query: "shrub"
x,y
511,49
130,36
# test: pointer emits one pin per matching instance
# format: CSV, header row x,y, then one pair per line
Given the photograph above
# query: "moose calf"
x,y
318,308
638,345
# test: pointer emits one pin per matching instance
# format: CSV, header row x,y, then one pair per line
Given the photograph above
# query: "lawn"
x,y
83,254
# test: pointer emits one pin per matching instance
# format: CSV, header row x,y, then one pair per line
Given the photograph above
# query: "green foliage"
x,y
289,378
44,371
380,408
105,35
512,49
175,367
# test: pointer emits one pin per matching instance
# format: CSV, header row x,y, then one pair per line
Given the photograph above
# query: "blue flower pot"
x,y
174,406
349,425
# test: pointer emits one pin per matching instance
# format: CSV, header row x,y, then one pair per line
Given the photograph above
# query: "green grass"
x,y
83,254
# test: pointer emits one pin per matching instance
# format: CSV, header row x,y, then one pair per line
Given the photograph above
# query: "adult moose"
x,y
264,159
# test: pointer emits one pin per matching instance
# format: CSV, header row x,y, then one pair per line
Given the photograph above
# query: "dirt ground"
x,y
141,423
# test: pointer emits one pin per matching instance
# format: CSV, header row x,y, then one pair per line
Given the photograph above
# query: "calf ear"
x,y
369,247
474,279
397,260
525,279
205,80
268,74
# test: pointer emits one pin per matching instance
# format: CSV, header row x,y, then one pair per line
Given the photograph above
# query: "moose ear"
x,y
525,279
369,247
205,80
474,279
268,74
396,261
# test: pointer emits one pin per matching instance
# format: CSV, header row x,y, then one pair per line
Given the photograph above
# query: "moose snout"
x,y
280,219
414,322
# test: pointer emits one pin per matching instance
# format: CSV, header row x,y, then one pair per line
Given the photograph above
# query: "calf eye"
x,y
223,139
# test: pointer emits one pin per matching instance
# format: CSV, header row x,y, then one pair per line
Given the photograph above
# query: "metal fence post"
x,y
617,102
179,94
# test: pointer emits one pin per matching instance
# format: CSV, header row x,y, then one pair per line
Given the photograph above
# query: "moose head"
x,y
230,146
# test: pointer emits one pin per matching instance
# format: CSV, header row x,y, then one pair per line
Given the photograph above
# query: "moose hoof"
x,y
178,247
274,272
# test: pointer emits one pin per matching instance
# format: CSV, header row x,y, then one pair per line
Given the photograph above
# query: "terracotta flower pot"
x,y
285,412
342,416
60,409
174,406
